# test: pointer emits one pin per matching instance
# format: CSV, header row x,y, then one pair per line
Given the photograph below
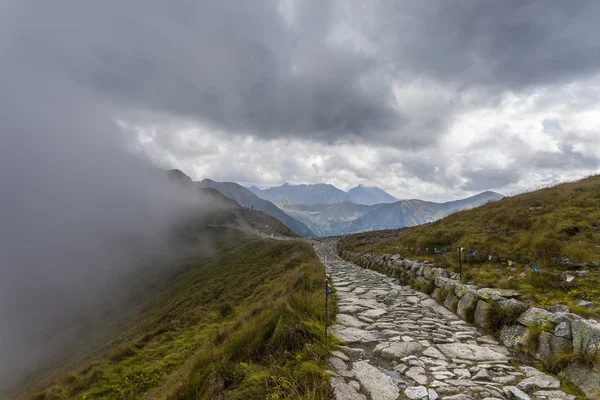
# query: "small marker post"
x,y
460,262
326,304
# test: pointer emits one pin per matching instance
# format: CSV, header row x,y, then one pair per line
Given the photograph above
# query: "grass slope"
x,y
539,228
243,322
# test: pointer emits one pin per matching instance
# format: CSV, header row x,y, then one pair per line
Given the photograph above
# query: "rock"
x,y
559,308
462,373
586,336
348,320
351,335
539,382
416,392
539,318
355,385
457,397
497,294
461,289
550,345
432,394
514,335
563,330
373,313
434,353
483,315
344,391
482,375
470,352
378,385
515,393
585,304
585,378
553,394
349,351
439,273
530,371
340,355
398,350
340,367
417,374
467,305
512,306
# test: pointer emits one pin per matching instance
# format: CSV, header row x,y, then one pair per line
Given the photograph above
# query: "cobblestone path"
x,y
399,343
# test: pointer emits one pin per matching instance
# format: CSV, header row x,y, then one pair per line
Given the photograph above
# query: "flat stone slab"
x,y
351,335
398,350
373,313
470,352
377,384
349,320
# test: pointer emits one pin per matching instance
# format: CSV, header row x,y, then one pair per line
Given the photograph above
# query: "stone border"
x,y
541,333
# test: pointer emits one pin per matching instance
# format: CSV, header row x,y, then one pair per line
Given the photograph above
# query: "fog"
x,y
81,212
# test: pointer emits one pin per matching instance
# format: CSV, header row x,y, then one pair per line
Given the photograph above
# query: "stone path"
x,y
399,343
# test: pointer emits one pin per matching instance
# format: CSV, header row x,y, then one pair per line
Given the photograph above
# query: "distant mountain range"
x,y
249,200
322,193
343,218
324,210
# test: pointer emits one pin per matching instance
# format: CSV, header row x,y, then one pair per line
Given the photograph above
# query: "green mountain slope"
x,y
249,200
238,321
556,229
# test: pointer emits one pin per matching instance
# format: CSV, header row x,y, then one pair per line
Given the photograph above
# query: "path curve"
x,y
401,344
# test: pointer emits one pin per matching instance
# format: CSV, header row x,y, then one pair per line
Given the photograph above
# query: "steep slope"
x,y
224,323
319,193
227,212
370,195
249,200
327,219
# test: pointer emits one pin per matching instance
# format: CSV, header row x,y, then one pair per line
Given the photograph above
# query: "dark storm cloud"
x,y
242,66
501,44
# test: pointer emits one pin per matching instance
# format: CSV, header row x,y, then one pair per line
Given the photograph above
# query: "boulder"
x,y
483,315
428,272
512,306
586,378
514,336
439,272
550,345
467,305
515,393
563,330
451,301
539,318
497,294
440,282
585,304
538,382
586,336
461,289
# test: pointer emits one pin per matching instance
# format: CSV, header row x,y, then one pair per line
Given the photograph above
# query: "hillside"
x,y
556,229
227,212
234,322
326,219
370,195
249,200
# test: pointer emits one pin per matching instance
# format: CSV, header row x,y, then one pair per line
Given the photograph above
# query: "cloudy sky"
x,y
433,99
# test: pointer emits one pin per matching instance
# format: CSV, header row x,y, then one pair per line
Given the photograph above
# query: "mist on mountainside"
x,y
81,219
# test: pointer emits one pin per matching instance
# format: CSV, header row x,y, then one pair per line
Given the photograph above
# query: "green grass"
x,y
244,322
567,225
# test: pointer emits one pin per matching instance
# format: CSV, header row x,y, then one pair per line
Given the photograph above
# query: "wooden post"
x,y
460,262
